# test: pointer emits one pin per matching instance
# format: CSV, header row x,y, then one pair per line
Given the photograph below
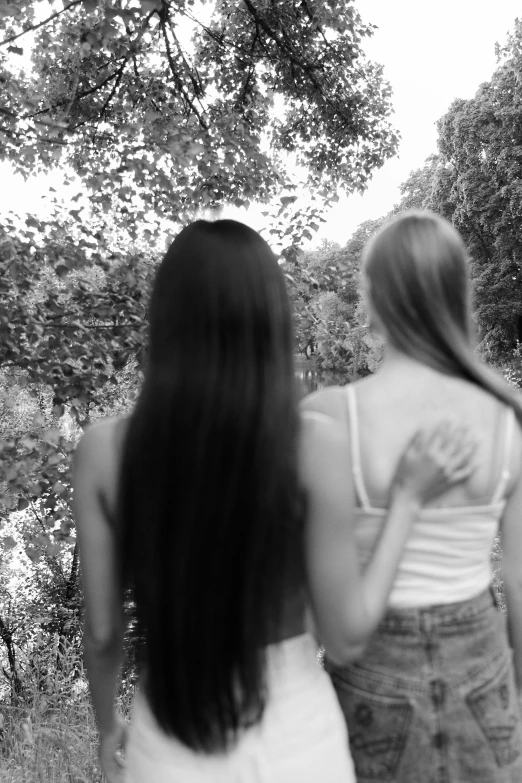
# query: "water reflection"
x,y
312,379
308,381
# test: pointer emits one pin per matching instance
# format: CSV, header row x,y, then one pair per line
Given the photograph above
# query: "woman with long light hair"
x,y
220,510
435,695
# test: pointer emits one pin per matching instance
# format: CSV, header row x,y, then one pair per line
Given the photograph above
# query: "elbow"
x,y
344,642
346,655
101,641
341,652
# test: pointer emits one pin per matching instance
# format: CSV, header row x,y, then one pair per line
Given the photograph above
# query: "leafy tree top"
x,y
151,121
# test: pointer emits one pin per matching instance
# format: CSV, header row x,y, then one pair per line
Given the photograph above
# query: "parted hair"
x,y
417,268
210,508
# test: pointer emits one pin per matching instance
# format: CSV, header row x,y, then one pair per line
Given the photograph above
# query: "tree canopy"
x,y
477,185
165,106
155,110
475,181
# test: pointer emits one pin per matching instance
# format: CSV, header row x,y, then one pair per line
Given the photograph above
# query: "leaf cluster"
x,y
172,106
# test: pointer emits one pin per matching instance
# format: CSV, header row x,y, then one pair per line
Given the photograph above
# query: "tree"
x,y
417,191
264,95
310,275
344,343
159,108
72,323
330,320
475,182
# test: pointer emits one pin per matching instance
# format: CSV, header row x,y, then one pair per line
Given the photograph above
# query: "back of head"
x,y
219,293
417,272
209,500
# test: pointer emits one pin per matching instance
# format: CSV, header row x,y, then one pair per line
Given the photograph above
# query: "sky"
x,y
432,53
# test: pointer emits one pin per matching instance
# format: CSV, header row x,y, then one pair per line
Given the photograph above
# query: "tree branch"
x,y
113,89
117,74
41,24
65,101
196,82
177,79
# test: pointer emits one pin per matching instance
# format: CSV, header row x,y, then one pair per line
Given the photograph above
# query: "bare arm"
x,y
511,540
103,623
347,603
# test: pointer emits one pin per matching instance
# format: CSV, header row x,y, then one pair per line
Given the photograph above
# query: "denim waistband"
x,y
442,615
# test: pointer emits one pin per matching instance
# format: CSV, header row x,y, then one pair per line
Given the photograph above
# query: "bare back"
x,y
396,402
447,555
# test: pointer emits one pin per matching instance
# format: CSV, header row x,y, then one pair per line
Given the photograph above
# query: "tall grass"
x,y
48,733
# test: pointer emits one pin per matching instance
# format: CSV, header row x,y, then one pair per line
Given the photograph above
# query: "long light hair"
x,y
418,273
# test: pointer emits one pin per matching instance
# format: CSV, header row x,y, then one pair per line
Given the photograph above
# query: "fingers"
x,y
448,437
455,476
456,454
447,440
431,438
418,441
462,464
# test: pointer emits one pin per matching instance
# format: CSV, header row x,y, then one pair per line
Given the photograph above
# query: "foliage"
x,y
312,275
158,109
52,735
475,182
330,318
72,316
481,147
418,190
165,106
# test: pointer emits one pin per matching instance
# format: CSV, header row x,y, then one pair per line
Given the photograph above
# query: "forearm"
x,y
513,592
103,664
379,574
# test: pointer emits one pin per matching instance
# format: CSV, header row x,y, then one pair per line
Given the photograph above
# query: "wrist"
x,y
405,498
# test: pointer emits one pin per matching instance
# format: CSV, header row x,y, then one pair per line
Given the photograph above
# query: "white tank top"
x,y
447,556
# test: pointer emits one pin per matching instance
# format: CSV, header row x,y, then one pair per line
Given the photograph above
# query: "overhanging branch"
x,y
41,24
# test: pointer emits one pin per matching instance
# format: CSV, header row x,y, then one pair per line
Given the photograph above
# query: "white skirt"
x,y
301,739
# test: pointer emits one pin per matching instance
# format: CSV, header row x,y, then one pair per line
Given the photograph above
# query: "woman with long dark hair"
x,y
434,697
211,503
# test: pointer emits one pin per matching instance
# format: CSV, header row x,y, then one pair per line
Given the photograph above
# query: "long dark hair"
x,y
210,509
417,269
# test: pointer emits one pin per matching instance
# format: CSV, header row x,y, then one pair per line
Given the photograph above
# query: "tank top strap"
x,y
505,473
355,448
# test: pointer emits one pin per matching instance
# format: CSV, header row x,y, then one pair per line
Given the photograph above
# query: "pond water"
x,y
310,378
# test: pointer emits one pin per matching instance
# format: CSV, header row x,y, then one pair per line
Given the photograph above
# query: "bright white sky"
x,y
432,54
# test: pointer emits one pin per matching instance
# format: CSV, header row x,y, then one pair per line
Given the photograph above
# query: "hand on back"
x,y
435,459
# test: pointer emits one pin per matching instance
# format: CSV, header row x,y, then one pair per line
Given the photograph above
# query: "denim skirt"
x,y
433,698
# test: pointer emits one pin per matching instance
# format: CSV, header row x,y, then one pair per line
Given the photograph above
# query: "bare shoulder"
x,y
330,401
97,450
96,470
324,445
100,436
